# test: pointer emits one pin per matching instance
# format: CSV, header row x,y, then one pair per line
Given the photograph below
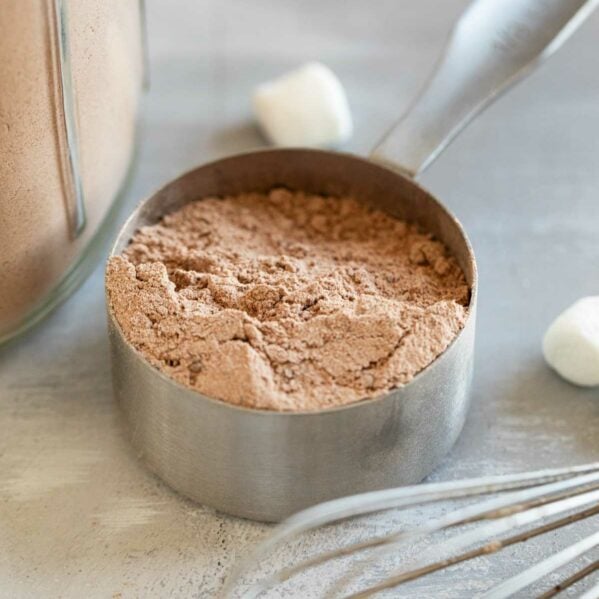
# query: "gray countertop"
x,y
79,516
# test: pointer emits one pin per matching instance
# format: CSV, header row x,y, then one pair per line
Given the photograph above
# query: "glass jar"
x,y
70,80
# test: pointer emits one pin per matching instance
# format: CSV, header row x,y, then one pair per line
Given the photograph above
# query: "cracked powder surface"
x,y
287,301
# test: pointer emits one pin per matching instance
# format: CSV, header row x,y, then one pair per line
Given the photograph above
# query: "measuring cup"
x,y
266,465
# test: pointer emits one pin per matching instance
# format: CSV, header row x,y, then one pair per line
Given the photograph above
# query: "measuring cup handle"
x,y
494,44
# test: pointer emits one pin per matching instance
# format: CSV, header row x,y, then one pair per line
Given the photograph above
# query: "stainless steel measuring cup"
x,y
267,465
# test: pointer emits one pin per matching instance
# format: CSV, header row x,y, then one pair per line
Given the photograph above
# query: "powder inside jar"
x,y
38,250
287,301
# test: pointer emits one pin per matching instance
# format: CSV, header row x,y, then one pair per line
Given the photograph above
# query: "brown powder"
x,y
36,248
287,301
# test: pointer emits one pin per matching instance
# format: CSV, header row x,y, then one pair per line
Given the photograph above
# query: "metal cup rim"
x,y
152,371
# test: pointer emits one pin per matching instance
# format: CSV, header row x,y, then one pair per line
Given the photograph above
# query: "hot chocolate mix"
x,y
287,301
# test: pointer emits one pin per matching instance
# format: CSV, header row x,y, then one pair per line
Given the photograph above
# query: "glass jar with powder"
x,y
70,78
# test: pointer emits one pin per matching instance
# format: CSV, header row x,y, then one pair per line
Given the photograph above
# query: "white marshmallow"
x,y
571,343
306,107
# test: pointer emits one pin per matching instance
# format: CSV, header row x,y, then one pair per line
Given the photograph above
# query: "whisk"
x,y
512,509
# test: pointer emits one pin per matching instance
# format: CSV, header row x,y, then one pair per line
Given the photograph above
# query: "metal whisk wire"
x,y
562,495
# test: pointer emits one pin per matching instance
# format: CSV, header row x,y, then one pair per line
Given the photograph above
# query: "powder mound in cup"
x,y
286,300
